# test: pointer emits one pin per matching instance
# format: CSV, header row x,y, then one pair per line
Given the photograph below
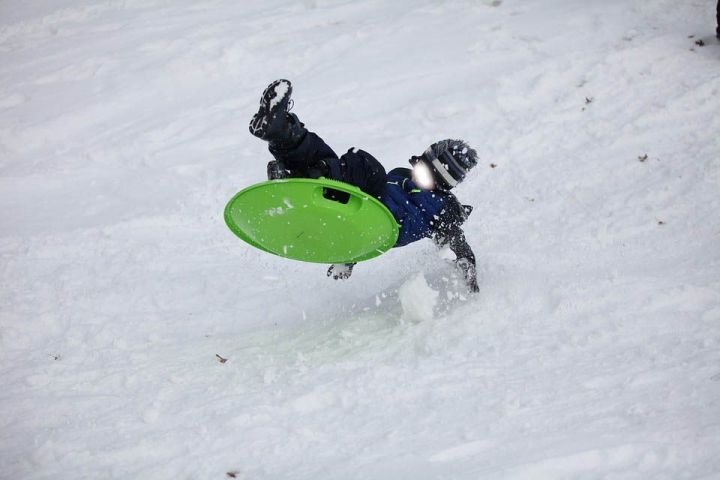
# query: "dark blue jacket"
x,y
435,214
417,211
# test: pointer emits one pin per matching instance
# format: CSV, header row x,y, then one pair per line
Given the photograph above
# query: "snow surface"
x,y
140,339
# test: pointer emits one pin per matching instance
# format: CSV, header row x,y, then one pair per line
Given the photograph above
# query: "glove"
x,y
470,273
275,171
318,169
340,271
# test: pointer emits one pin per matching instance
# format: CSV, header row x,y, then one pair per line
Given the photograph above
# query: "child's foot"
x,y
271,117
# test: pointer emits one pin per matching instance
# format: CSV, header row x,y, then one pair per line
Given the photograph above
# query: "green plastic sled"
x,y
313,220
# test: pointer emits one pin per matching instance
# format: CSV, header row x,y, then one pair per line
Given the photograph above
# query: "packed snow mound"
x,y
417,299
140,339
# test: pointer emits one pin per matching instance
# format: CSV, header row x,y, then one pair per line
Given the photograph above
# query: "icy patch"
x,y
418,299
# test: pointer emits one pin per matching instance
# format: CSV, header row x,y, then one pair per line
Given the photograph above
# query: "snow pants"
x,y
313,158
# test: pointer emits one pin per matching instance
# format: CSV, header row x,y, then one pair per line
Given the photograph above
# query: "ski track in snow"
x,y
592,351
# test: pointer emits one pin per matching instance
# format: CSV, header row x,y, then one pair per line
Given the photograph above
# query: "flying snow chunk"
x,y
417,299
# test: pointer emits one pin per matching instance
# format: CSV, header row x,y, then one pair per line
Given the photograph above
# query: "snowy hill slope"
x,y
592,351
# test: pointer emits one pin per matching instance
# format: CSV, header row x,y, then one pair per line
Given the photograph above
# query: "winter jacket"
x,y
415,210
422,213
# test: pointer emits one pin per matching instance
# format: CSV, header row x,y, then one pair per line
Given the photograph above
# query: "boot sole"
x,y
274,97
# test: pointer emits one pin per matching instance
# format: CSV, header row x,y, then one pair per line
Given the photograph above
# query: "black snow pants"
x,y
313,158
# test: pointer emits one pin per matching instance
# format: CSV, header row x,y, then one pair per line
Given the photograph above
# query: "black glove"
x,y
341,271
470,273
318,169
275,171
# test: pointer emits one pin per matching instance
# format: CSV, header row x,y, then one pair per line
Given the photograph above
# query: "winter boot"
x,y
272,123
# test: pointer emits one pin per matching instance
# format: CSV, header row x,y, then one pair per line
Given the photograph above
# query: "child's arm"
x,y
459,246
276,171
449,232
465,258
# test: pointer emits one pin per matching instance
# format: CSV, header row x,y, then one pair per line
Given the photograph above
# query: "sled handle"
x,y
343,201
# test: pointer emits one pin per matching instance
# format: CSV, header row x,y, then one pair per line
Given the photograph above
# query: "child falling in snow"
x,y
419,199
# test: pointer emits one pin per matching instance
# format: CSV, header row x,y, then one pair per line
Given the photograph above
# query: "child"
x,y
419,199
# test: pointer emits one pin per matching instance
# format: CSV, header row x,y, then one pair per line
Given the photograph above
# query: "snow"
x,y
417,299
592,350
280,91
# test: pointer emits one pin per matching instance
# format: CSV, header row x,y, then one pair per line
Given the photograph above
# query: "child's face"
x,y
422,176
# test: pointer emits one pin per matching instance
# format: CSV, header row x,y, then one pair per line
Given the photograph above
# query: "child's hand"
x,y
340,271
275,171
469,272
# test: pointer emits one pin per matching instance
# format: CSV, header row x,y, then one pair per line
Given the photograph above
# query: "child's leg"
x,y
299,152
311,157
304,154
361,169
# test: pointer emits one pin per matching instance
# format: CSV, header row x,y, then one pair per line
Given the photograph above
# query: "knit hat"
x,y
449,160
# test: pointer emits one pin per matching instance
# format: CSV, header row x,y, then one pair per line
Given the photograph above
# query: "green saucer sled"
x,y
313,220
